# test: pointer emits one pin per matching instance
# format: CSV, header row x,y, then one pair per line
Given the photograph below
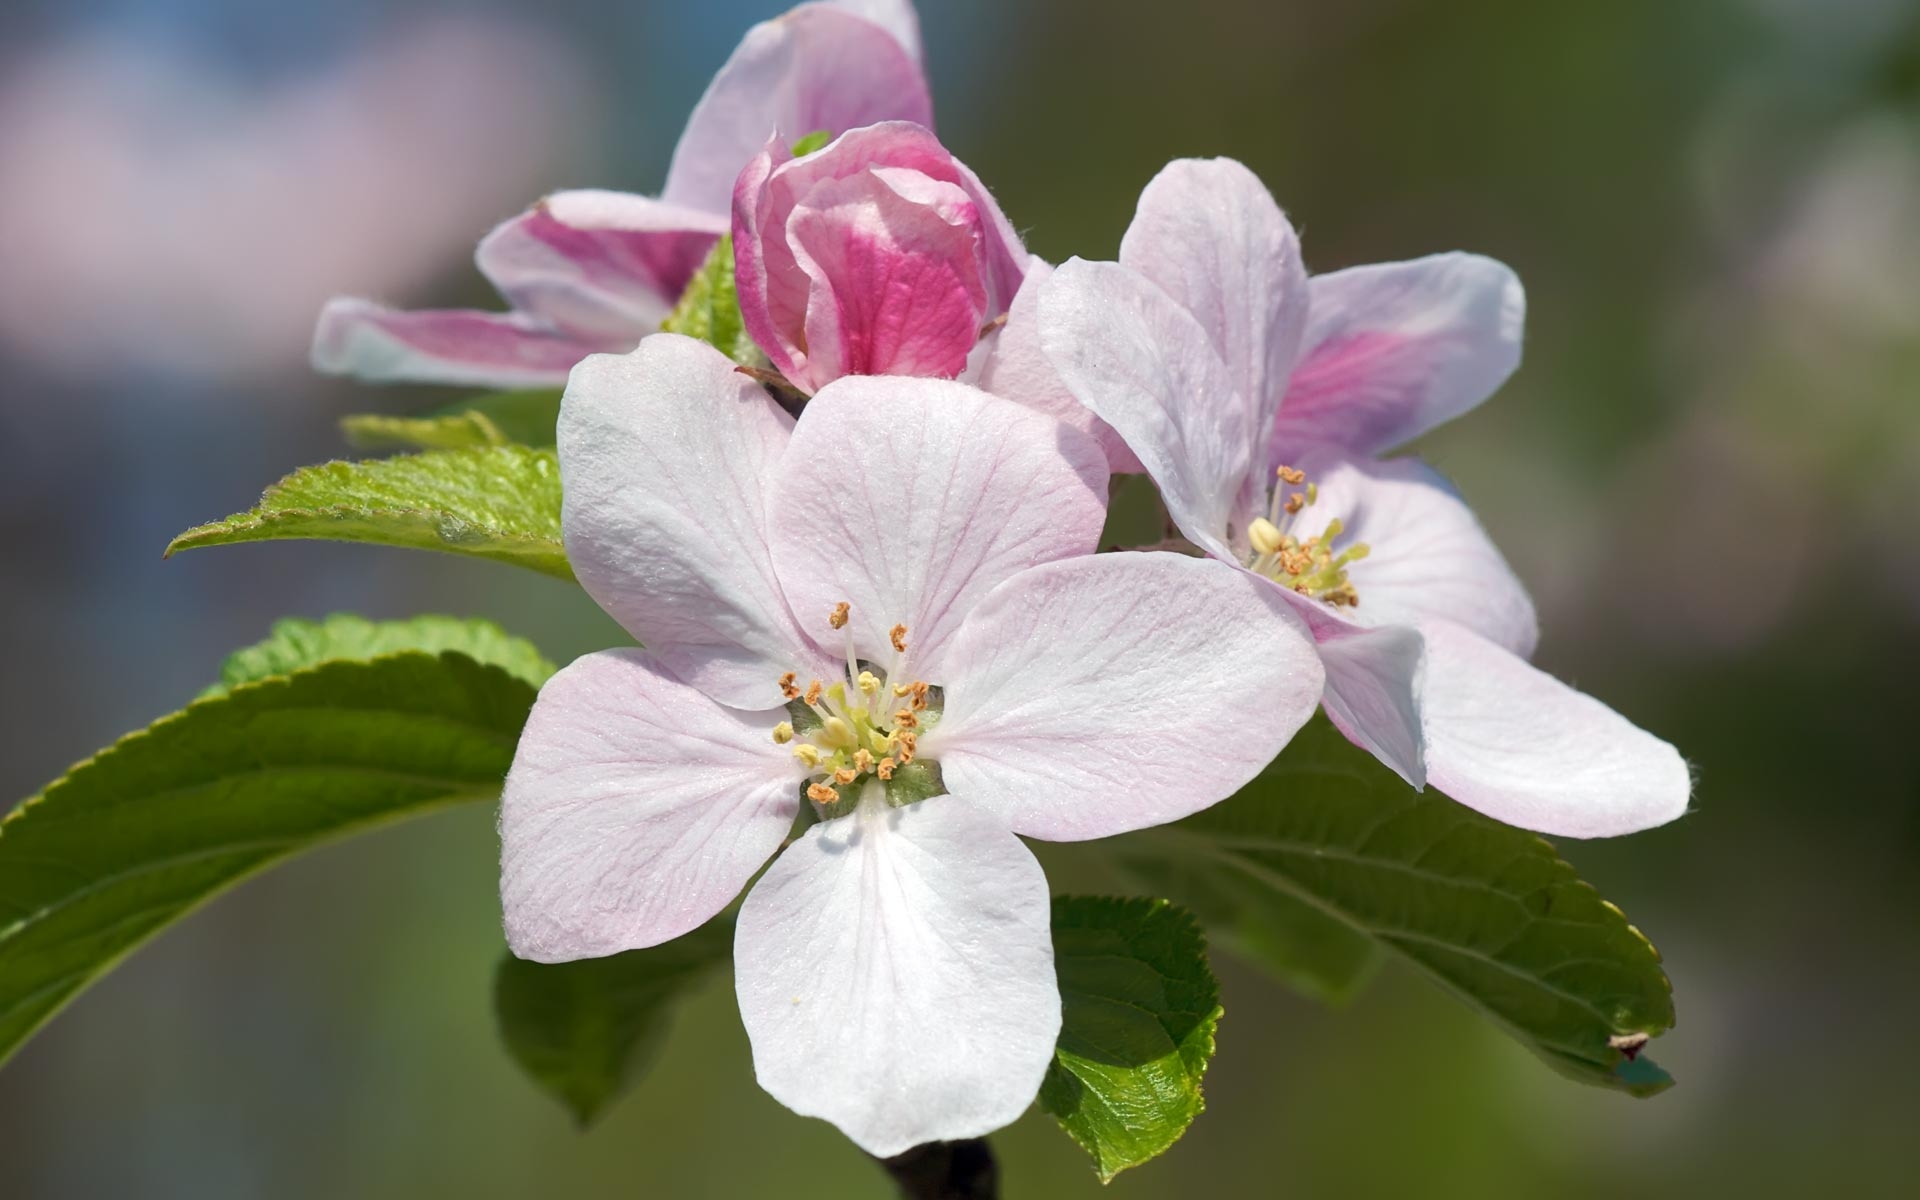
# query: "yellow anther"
x,y
863,759
808,753
838,617
868,683
834,731
845,775
898,636
787,688
1291,475
782,733
1265,536
820,793
885,768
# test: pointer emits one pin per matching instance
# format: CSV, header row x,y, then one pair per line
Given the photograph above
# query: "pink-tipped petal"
x,y
1209,233
895,974
1090,697
453,346
1428,555
636,809
1013,366
1373,686
666,456
814,68
1524,748
1144,365
606,265
895,288
895,16
911,499
1394,349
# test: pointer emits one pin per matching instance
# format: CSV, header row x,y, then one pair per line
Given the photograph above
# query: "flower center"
x,y
865,725
1313,566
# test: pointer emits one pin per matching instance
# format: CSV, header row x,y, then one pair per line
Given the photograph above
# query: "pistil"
x,y
1312,566
865,725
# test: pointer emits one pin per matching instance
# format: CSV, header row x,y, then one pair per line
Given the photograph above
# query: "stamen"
x,y
884,769
813,693
904,719
1264,535
834,731
863,759
869,684
783,733
1291,475
787,688
820,793
838,617
845,775
808,753
898,636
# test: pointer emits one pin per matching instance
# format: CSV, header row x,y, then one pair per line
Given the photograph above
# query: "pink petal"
x,y
895,286
606,265
1208,232
1144,365
473,349
1373,685
636,809
911,499
816,67
1102,694
1524,748
666,456
1428,557
895,972
1394,349
895,16
1014,367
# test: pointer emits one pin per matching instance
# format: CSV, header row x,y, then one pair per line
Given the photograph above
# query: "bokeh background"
x,y
1707,469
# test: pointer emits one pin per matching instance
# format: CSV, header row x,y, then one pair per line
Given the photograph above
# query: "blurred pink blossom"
x,y
161,214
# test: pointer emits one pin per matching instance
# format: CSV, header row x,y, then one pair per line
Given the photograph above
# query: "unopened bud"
x,y
1264,535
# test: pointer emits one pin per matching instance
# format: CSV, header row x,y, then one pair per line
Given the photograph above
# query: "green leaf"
x,y
493,502
1290,939
1490,912
586,1031
709,309
524,418
154,826
297,643
1138,1011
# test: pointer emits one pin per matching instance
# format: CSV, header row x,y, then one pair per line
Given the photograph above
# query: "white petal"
x,y
1524,748
1144,365
813,68
1010,364
636,809
895,971
910,499
1209,233
1428,555
1394,349
665,456
1373,686
895,16
1120,691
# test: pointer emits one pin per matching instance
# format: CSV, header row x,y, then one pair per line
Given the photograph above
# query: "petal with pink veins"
x,y
895,974
1103,694
1209,233
453,346
816,67
911,499
1012,365
1394,349
1524,748
635,810
894,286
666,456
1144,365
1427,554
606,265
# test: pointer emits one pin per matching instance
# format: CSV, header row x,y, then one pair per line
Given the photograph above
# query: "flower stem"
x,y
946,1171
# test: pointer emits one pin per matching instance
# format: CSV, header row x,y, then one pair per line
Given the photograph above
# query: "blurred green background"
x,y
1706,470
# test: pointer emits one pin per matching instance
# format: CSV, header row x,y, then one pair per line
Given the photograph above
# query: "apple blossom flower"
x,y
877,254
886,611
1255,401
588,271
